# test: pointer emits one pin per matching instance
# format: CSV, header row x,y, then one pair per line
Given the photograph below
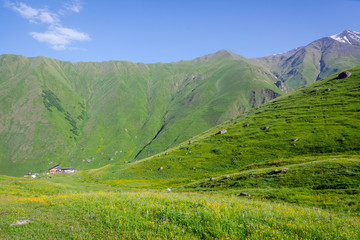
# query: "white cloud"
x,y
32,14
23,9
57,36
74,6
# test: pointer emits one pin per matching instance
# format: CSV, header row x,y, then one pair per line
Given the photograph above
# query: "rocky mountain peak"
x,y
347,36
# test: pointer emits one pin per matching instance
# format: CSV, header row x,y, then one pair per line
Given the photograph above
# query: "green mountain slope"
x,y
312,133
89,114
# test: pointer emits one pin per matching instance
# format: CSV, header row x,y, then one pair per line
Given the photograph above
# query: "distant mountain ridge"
x,y
319,59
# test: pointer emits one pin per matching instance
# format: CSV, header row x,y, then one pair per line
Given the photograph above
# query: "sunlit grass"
x,y
160,215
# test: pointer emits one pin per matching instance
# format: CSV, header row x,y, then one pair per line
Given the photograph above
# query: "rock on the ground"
x,y
21,222
243,194
344,75
222,131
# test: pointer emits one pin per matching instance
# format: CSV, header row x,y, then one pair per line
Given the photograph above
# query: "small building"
x,y
54,169
67,170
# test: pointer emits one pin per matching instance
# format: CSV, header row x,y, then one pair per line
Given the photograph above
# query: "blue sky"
x,y
167,30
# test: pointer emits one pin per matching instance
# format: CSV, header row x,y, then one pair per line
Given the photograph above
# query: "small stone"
x,y
167,153
274,172
222,131
328,89
315,90
246,125
21,222
266,128
295,140
160,169
3,213
243,194
211,179
191,141
284,170
341,139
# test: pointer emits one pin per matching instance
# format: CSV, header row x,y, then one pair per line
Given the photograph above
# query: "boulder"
x,y
344,75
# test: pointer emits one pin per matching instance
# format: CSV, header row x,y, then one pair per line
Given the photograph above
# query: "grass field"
x,y
297,156
62,212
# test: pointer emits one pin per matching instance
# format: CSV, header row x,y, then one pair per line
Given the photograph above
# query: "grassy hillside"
x,y
86,115
311,133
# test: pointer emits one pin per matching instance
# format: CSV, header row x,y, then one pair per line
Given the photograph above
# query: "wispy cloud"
x,y
57,36
74,6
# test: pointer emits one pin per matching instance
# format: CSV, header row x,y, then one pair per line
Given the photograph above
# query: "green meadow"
x,y
60,211
296,157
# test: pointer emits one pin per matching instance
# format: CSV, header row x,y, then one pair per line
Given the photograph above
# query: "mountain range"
x,y
89,114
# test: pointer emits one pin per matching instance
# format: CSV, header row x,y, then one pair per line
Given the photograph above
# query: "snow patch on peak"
x,y
349,37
